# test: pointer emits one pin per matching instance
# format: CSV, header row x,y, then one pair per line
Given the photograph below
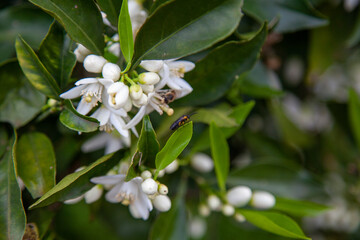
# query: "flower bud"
x,y
228,210
111,71
118,94
163,189
161,173
136,92
239,217
148,88
197,228
94,63
172,167
93,194
83,50
214,202
262,200
142,101
79,56
204,210
115,49
152,65
149,186
149,78
146,174
202,163
162,203
239,196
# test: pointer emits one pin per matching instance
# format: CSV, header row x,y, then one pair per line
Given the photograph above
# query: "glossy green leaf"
x,y
75,121
35,71
112,9
19,100
354,115
215,74
134,165
12,214
298,207
56,56
274,222
35,159
81,19
75,184
241,112
293,15
148,145
220,154
177,28
174,146
125,33
219,116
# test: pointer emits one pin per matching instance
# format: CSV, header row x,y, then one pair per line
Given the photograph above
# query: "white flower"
x,y
162,203
128,193
350,5
90,196
118,94
143,100
111,71
91,91
81,52
111,142
239,196
146,174
149,186
263,200
137,16
136,92
202,162
149,78
94,63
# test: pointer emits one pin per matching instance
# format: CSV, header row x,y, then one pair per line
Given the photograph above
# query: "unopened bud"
x,y
163,189
142,101
152,65
79,56
94,63
202,162
239,217
197,228
93,194
118,94
214,202
149,186
111,71
128,105
161,173
172,167
239,196
262,200
83,50
149,78
204,210
146,174
162,203
228,210
136,92
148,88
115,49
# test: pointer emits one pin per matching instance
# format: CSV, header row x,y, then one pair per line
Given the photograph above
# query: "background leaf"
x,y
298,207
35,159
216,115
354,115
178,28
125,33
112,9
81,19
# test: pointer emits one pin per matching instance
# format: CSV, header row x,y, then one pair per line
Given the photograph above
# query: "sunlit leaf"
x,y
125,33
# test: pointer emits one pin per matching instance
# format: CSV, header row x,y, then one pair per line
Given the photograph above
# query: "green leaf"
x,y
174,146
12,214
148,145
75,121
111,8
220,155
75,184
274,222
293,15
56,56
81,19
219,116
215,74
35,159
354,115
177,28
241,112
35,71
19,100
299,208
125,33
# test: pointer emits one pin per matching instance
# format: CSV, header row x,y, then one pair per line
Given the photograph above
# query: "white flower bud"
x,y
146,174
162,203
148,88
118,94
197,228
202,163
128,105
228,210
115,49
152,65
239,196
83,50
149,186
79,56
161,173
142,101
214,202
204,210
93,194
136,92
172,167
262,200
149,78
163,189
74,200
94,63
239,217
111,71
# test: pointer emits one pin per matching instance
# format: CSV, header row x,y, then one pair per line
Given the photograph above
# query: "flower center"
x,y
124,198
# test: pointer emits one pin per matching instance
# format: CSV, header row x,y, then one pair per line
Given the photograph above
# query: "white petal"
x,y
74,200
182,64
73,93
106,82
133,129
137,118
102,115
84,107
165,73
111,196
119,124
93,194
152,65
172,84
111,179
86,81
112,145
95,143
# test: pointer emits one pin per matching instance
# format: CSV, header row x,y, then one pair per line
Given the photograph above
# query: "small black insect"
x,y
181,121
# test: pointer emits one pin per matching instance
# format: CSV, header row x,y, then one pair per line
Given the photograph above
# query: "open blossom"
x,y
127,193
111,142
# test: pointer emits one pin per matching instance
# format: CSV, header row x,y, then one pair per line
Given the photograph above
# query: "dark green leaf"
x,y
220,155
174,146
35,161
81,19
125,33
293,15
274,222
298,207
156,4
112,9
178,28
354,115
12,214
219,116
19,100
75,121
56,56
75,184
35,71
214,74
134,164
148,145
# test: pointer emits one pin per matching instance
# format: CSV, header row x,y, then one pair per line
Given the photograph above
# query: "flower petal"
x,y
182,64
164,74
95,143
86,81
119,124
111,179
102,115
152,65
137,118
85,107
75,92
